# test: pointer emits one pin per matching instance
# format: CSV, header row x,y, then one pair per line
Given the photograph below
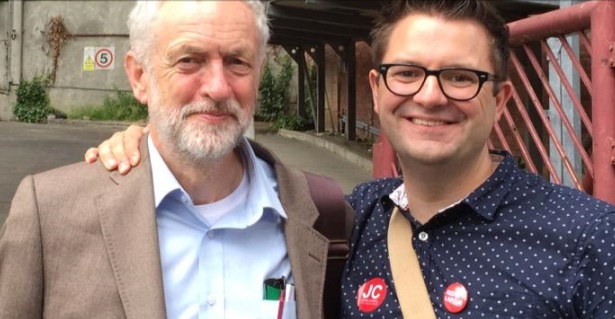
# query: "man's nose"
x,y
430,93
215,84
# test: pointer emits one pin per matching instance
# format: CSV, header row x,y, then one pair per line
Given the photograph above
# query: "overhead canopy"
x,y
307,25
305,22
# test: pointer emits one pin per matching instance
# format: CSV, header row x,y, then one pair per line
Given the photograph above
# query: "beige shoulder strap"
x,y
409,284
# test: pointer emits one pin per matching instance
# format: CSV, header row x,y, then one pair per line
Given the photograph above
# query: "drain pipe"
x,y
16,38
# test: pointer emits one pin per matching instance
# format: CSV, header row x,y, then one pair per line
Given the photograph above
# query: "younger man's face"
x,y
427,127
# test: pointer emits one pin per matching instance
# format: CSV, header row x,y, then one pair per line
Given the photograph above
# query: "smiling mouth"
x,y
427,122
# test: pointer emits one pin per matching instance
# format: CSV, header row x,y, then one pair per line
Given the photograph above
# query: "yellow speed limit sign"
x,y
98,58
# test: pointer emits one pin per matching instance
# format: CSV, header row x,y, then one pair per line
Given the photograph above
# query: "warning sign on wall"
x,y
98,58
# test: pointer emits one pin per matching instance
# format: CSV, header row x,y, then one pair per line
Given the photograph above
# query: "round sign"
x,y
455,297
371,294
103,58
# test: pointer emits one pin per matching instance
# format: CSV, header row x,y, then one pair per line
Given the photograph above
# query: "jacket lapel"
x,y
128,222
307,248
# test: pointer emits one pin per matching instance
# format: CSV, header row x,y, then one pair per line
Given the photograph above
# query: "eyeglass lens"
x,y
455,83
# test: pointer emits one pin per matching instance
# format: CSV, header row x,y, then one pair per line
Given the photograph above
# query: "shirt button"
x,y
423,236
210,234
211,301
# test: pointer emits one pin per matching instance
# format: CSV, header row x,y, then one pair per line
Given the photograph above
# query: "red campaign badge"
x,y
371,294
455,297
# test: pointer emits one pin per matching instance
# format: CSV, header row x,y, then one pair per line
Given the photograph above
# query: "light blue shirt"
x,y
217,271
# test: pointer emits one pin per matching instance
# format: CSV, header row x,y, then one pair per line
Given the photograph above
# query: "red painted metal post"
x,y
603,100
558,22
383,158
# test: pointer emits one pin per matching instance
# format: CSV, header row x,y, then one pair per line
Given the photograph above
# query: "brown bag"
x,y
332,223
409,283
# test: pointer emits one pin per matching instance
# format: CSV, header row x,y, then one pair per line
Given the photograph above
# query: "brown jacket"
x,y
81,242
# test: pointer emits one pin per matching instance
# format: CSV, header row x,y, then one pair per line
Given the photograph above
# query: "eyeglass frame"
x,y
483,77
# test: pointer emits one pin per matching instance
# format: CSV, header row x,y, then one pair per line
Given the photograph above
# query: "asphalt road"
x,y
31,148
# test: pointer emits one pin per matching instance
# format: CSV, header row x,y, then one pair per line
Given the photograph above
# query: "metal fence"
x,y
560,122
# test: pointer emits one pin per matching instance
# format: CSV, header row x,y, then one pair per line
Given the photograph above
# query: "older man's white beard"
x,y
197,142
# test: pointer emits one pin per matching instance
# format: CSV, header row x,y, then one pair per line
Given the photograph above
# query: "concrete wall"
x,y
5,101
92,23
103,24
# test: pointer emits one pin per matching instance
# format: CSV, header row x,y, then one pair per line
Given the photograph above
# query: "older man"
x,y
209,226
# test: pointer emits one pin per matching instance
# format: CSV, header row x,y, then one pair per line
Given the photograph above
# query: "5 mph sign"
x,y
98,58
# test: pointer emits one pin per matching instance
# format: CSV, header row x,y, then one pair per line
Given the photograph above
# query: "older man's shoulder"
x,y
76,178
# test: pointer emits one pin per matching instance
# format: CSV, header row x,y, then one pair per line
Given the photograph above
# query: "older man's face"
x,y
203,77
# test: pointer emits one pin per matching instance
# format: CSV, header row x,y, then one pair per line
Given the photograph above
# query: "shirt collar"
x,y
263,193
399,197
263,188
162,177
485,199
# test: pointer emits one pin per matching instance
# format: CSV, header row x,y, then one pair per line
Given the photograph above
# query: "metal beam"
x,y
319,58
560,22
297,53
346,4
305,37
320,28
351,74
284,12
603,80
284,39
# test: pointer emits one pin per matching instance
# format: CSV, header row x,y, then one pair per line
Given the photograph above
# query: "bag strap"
x,y
409,283
329,200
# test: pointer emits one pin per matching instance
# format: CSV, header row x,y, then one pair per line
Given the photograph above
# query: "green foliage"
x,y
285,76
32,100
122,107
269,100
57,113
273,91
294,123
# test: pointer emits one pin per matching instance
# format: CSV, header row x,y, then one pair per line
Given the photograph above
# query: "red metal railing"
x,y
579,148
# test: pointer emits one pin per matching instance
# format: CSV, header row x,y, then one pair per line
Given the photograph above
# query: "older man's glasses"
x,y
457,84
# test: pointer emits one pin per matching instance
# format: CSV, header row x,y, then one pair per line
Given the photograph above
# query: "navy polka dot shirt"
x,y
521,246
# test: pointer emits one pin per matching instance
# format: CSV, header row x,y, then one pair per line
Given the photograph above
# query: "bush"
x,y
57,113
273,91
122,107
293,122
269,105
32,103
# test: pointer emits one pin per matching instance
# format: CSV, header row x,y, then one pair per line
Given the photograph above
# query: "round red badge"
x,y
455,298
371,294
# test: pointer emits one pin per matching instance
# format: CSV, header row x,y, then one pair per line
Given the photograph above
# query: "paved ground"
x,y
309,157
31,148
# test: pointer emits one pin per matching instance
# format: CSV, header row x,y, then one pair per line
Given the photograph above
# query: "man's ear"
x,y
261,69
501,98
137,76
374,79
